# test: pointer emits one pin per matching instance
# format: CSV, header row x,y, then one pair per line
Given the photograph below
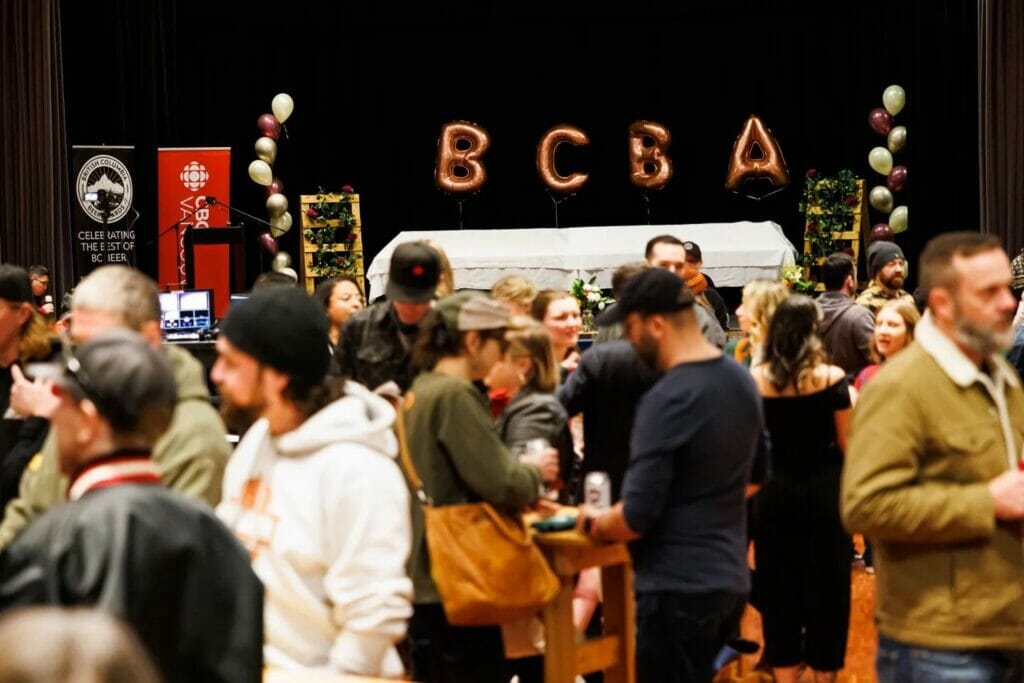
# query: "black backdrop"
x,y
373,84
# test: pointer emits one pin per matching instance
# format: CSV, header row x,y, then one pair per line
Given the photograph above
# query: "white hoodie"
x,y
324,513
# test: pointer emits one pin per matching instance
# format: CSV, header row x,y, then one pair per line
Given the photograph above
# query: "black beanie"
x,y
880,253
284,328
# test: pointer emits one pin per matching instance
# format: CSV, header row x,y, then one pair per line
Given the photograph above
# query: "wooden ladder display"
x,y
857,233
332,239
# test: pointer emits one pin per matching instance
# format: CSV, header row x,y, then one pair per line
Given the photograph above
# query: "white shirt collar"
x,y
954,363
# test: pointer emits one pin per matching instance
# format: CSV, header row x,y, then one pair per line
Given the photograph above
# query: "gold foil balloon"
x,y
266,149
894,98
880,198
282,259
743,165
459,151
277,204
898,220
897,139
649,166
261,173
282,106
880,160
279,225
546,149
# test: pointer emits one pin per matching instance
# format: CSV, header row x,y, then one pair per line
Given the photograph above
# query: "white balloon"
x,y
282,106
279,225
266,149
277,204
261,173
880,198
282,259
290,272
894,98
880,159
898,219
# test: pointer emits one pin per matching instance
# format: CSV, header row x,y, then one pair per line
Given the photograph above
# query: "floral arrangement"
x,y
331,226
793,277
589,295
827,205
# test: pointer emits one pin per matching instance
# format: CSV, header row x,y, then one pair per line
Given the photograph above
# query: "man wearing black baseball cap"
x,y
695,438
375,342
124,542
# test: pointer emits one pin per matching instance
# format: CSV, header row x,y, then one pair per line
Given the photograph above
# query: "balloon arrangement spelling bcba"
x,y
881,197
262,173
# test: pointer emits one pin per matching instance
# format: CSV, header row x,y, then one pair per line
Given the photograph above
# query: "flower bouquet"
x,y
591,298
793,277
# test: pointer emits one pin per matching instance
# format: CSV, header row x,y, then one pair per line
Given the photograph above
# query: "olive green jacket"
x,y
927,435
191,455
457,453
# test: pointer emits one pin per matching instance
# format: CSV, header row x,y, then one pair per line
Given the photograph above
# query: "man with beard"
x,y
932,476
886,267
313,491
695,438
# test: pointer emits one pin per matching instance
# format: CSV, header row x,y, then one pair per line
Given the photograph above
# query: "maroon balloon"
x,y
271,127
882,233
275,187
896,179
268,243
880,121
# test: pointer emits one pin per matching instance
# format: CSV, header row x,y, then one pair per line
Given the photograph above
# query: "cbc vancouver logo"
x,y
194,176
104,189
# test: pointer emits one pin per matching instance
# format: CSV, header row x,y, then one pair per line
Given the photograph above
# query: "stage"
x,y
734,253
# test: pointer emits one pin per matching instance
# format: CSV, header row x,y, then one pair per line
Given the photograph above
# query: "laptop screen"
x,y
189,310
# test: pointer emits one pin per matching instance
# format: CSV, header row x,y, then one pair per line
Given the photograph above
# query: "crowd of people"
x,y
305,546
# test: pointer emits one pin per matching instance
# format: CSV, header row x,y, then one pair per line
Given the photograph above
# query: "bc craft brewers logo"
x,y
194,176
104,189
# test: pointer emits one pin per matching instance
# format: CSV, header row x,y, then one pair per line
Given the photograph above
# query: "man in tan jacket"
x,y
192,452
932,478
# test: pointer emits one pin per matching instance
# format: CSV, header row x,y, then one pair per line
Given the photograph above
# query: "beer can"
x,y
597,490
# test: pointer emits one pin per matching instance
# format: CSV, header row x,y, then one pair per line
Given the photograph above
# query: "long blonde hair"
x,y
911,317
36,339
760,299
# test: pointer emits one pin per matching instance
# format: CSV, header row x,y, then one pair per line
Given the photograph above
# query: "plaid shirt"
x,y
874,297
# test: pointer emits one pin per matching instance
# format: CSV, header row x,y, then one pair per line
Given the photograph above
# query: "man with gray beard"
x,y
932,477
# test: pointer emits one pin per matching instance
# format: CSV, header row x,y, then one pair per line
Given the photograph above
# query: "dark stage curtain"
x,y
1001,113
373,85
34,209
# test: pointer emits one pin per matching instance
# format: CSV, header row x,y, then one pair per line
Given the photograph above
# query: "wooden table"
x,y
569,552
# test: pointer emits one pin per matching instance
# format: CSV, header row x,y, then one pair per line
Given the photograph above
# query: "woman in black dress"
x,y
801,549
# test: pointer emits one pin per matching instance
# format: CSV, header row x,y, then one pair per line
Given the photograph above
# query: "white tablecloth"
x,y
733,253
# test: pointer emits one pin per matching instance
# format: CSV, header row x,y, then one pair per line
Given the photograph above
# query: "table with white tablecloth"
x,y
733,253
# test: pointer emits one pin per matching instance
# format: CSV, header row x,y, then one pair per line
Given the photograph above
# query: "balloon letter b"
x,y
649,166
458,157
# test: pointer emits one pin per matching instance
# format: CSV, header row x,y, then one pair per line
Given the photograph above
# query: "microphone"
x,y
210,201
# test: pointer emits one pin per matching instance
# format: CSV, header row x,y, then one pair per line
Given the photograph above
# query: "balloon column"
x,y
882,197
262,173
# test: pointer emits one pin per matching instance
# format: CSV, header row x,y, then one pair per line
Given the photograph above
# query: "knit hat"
x,y
414,272
282,327
693,249
651,291
880,253
123,375
694,279
15,285
472,311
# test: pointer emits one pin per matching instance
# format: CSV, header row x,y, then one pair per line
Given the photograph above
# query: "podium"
x,y
218,247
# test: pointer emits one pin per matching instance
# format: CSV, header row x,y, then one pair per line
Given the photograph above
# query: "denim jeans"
x,y
901,663
678,634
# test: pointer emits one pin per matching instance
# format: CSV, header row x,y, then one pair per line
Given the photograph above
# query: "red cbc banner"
x,y
186,177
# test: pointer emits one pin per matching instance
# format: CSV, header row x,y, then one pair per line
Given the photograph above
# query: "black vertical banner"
x,y
104,218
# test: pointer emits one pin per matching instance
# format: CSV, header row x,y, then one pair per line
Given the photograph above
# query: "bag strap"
x,y
403,450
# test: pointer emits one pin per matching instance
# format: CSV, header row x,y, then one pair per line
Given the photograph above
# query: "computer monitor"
x,y
186,312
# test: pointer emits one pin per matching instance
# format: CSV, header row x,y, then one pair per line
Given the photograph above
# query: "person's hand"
x,y
1008,495
571,361
546,461
30,399
47,308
